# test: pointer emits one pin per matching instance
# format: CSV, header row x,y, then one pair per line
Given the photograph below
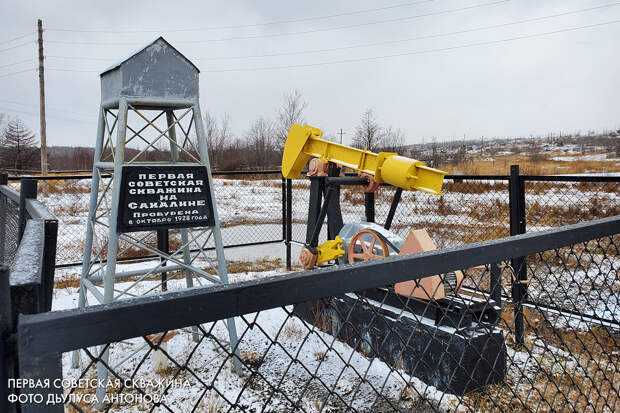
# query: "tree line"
x,y
258,147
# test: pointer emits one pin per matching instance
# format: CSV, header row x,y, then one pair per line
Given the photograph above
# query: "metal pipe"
x,y
127,274
113,237
517,227
217,235
393,206
314,238
369,206
88,242
345,180
289,221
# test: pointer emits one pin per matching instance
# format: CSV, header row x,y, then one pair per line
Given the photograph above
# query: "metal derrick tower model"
x,y
150,101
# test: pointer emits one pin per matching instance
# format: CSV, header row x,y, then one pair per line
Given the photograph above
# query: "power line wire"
x,y
80,58
16,38
12,102
18,72
49,116
424,37
468,45
349,26
463,46
16,46
298,20
430,36
416,52
17,63
57,69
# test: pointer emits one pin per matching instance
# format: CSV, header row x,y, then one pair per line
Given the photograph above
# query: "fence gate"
x,y
161,208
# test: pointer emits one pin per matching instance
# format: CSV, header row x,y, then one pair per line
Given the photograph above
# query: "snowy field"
x,y
335,365
468,211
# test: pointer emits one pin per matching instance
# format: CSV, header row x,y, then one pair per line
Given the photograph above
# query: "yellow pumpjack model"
x,y
305,142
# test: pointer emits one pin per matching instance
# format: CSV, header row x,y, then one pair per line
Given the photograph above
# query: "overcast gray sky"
x,y
418,64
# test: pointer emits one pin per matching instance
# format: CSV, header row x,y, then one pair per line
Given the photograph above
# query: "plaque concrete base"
x,y
454,360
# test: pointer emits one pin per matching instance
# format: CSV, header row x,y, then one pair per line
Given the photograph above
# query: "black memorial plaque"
x,y
164,196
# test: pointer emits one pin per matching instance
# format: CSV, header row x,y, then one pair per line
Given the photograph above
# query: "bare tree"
x,y
226,135
369,134
393,140
260,141
291,112
18,147
212,134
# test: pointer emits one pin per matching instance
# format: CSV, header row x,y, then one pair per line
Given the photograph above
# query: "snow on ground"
x,y
592,157
323,364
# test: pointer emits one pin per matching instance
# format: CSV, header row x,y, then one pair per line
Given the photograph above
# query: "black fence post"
x,y
6,328
164,246
27,190
49,263
517,226
289,221
283,208
40,367
369,206
4,180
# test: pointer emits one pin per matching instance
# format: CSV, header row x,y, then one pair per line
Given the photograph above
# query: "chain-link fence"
x,y
249,206
384,336
475,208
9,224
557,201
469,210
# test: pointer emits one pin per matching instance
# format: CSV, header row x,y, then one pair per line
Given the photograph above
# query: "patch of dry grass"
x,y
529,165
252,358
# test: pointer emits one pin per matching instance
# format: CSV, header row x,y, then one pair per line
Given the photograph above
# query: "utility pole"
x,y
341,133
42,101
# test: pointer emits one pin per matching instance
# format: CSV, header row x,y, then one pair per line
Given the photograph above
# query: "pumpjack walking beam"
x,y
304,142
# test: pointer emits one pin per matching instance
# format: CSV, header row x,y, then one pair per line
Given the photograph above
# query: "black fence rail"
x,y
343,339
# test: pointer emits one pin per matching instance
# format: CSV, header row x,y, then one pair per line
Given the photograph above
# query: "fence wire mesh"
x,y
378,351
9,229
471,210
553,204
249,207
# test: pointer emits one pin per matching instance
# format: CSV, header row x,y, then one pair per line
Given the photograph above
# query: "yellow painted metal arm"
x,y
304,142
329,250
